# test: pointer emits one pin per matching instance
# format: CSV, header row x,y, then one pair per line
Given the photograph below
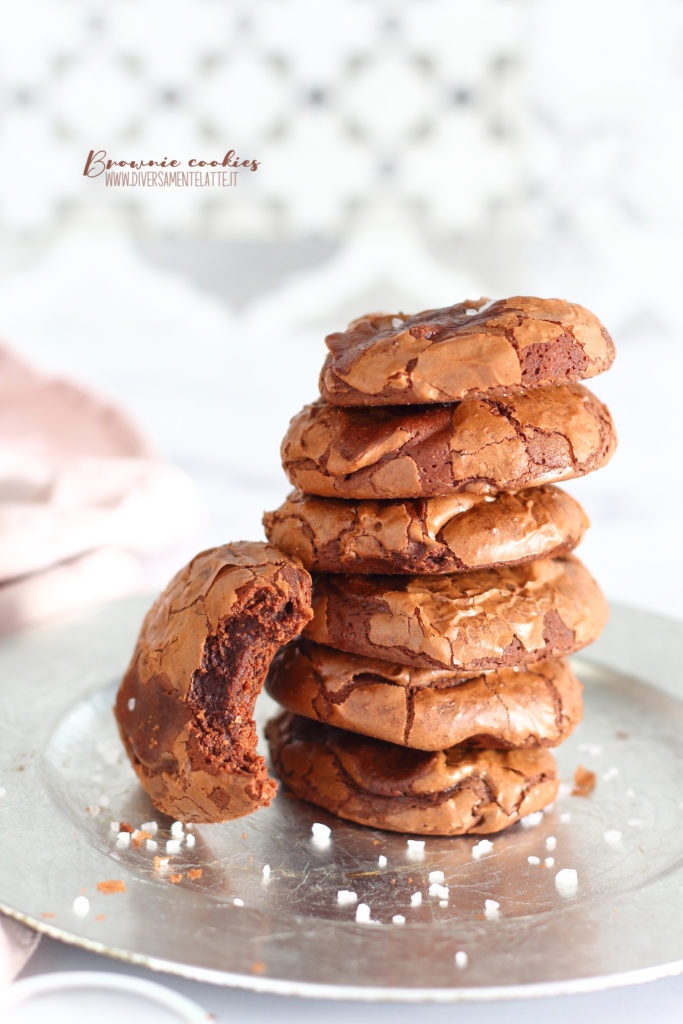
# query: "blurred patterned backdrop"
x,y
412,153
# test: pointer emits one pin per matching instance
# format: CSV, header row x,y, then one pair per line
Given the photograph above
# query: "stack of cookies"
x,y
431,681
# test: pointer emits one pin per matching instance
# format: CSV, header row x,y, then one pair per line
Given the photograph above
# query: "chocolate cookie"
x,y
185,706
449,792
442,355
467,622
479,444
429,709
427,535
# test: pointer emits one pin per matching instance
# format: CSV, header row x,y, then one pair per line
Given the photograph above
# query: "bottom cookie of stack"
x,y
448,792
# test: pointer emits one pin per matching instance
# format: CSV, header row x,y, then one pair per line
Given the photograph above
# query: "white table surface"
x,y
661,1000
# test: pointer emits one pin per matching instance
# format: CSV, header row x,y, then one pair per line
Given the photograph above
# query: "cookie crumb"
x,y
194,873
110,885
584,781
258,967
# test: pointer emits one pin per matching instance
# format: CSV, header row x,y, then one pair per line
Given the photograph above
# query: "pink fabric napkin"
x,y
87,514
85,506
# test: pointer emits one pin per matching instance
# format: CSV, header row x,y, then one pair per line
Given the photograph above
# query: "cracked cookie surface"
x,y
479,444
185,705
482,347
448,792
459,532
467,622
429,709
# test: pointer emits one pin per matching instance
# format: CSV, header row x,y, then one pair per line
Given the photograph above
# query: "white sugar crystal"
x,y
81,905
611,836
482,847
190,840
161,863
535,818
150,826
123,840
415,844
131,704
566,881
345,896
398,919
416,899
443,903
549,808
635,822
438,890
610,774
172,846
564,818
114,826
363,913
549,862
321,831
461,958
550,843
266,870
471,312
436,876
534,860
151,844
396,322
564,789
491,909
594,749
177,830
381,861
238,902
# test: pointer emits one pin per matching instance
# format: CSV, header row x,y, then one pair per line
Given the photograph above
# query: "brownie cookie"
x,y
467,622
185,706
442,355
427,535
479,444
449,792
430,709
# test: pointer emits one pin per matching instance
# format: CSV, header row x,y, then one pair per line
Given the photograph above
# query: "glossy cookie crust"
x,y
444,355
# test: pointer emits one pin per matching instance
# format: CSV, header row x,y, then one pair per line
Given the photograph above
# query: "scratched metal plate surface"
x,y
64,779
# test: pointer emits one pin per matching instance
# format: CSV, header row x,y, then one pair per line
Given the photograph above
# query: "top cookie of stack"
x,y
482,347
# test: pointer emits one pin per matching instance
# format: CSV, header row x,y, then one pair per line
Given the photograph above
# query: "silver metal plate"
x,y
64,779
